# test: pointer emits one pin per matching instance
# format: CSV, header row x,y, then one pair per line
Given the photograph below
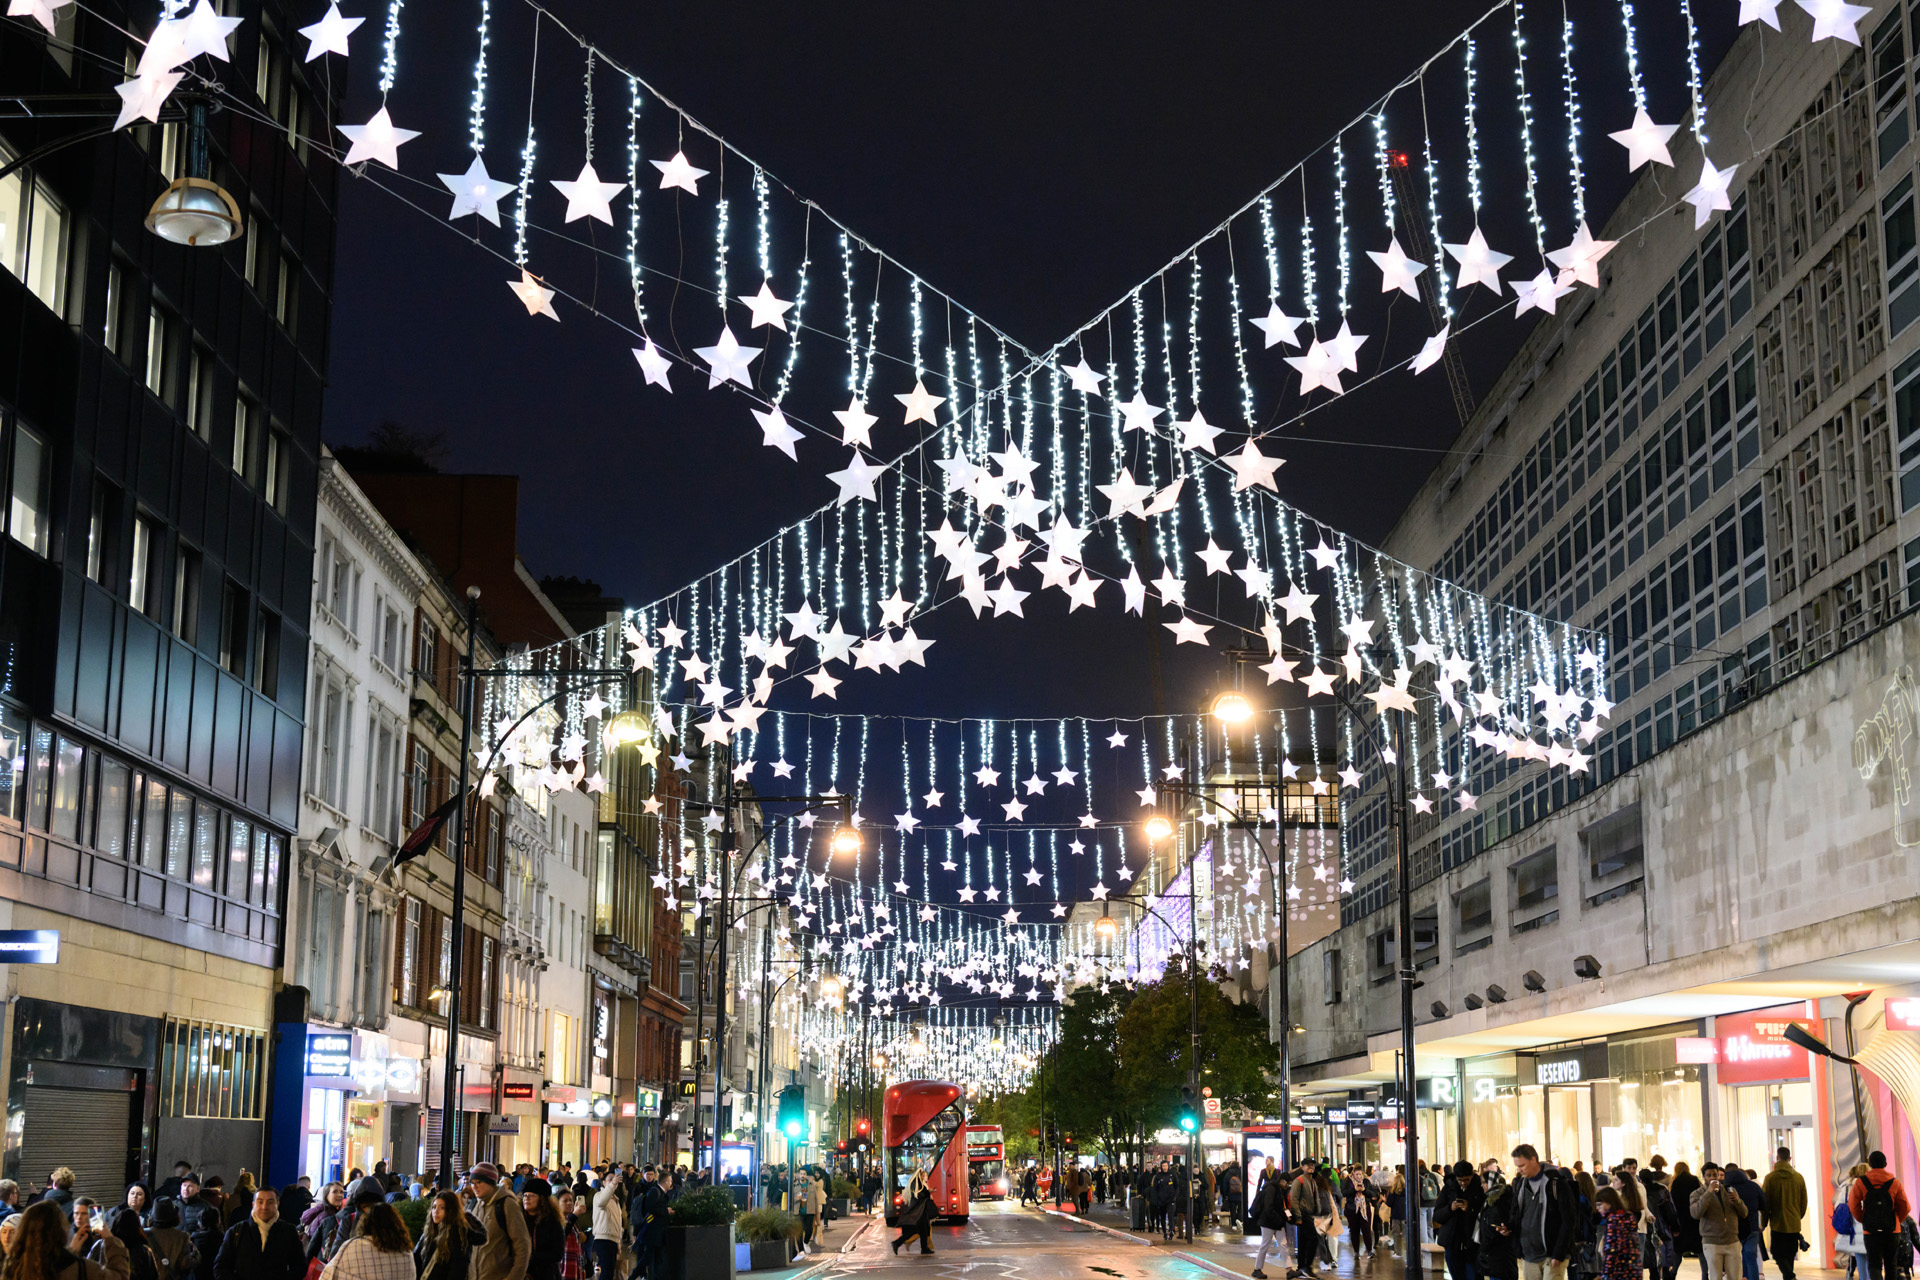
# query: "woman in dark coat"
x,y
1687,1238
1496,1260
916,1218
445,1248
549,1238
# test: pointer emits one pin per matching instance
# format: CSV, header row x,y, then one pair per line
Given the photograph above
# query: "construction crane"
x,y
1423,251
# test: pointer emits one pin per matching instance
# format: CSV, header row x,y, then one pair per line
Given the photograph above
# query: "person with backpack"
x,y
1455,1218
1785,1194
1878,1203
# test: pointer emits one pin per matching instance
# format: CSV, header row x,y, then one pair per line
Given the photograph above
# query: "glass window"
x,y
153,824
179,834
157,351
243,418
13,212
28,518
263,872
40,780
274,471
47,249
112,808
144,590
186,594
13,758
1536,882
69,765
239,858
206,846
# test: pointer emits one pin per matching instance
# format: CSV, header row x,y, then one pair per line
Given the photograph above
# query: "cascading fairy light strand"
x,y
1526,123
633,201
1340,214
477,112
526,152
587,94
389,59
1473,135
1309,278
1633,57
1572,87
1382,160
1693,75
1442,288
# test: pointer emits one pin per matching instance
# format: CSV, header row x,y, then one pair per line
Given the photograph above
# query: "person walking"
x,y
1429,1198
508,1247
1686,1236
1619,1236
916,1216
1749,1192
816,1209
609,1226
1546,1216
1495,1258
379,1249
261,1246
1307,1203
1456,1216
201,1221
1785,1196
444,1250
173,1253
648,1217
1269,1213
1879,1204
1182,1202
1718,1210
544,1229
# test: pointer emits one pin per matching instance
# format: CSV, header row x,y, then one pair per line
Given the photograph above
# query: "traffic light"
x,y
862,1134
793,1110
1189,1114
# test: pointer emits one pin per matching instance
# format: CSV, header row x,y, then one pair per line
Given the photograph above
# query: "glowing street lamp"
x,y
1232,708
846,841
627,729
1158,828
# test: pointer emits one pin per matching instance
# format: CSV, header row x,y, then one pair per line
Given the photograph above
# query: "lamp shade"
x,y
196,212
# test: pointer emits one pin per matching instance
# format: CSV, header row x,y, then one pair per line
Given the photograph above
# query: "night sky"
x,y
1035,161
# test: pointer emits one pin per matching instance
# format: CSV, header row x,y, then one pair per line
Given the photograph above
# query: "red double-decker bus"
x,y
987,1163
923,1130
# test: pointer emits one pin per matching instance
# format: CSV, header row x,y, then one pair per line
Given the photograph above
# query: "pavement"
x,y
1004,1241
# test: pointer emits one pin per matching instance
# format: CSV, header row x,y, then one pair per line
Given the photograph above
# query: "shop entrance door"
x,y
1770,1116
1570,1124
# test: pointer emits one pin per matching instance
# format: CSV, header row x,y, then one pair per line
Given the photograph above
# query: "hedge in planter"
x,y
771,1235
699,1239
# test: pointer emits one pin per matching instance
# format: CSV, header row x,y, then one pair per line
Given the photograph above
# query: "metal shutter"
x,y
83,1129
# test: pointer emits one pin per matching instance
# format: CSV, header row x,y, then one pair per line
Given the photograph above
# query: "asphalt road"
x,y
1018,1244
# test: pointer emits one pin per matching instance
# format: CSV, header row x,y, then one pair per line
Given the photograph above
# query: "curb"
x,y
1112,1231
817,1268
1214,1267
854,1239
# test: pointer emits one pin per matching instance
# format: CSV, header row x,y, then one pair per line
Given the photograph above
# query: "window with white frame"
x,y
382,790
333,737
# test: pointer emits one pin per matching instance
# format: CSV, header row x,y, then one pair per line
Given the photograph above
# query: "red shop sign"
x,y
1754,1046
1903,1013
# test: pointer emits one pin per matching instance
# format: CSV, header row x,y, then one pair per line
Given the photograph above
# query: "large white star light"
x,y
920,403
766,308
856,479
537,298
1767,11
1479,263
1397,270
1711,193
476,191
678,173
1084,378
142,97
1319,367
1835,19
1645,140
587,196
1278,326
329,35
1580,260
777,432
42,12
727,359
377,139
654,365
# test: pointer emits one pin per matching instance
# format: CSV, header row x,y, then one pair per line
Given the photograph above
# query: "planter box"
x,y
838,1206
698,1253
761,1255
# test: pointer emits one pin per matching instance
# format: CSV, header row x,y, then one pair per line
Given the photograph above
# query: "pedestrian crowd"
x,y
605,1222
1544,1222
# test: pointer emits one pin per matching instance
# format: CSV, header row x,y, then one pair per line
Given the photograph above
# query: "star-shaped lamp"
x,y
476,191
329,35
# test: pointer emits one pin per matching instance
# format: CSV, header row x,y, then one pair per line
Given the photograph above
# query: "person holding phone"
x,y
1455,1215
1719,1211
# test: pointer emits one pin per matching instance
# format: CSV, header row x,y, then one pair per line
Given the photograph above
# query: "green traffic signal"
x,y
793,1110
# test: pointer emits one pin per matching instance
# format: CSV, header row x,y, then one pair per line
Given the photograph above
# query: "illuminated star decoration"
x,y
1319,367
678,173
766,308
1278,326
727,359
1645,140
1139,414
142,97
1767,11
536,296
1835,19
377,139
1539,293
203,31
856,479
1711,192
1431,352
1580,260
587,196
856,424
1479,264
920,403
41,11
1397,270
653,365
778,432
1251,468
329,35
1084,379
476,191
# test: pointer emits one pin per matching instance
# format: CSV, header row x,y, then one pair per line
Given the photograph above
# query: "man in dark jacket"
x,y
200,1220
1545,1218
649,1221
170,1188
1454,1216
296,1199
263,1246
1269,1212
1749,1192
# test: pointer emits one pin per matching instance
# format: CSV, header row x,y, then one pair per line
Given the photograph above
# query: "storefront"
x,y
582,1111
348,1082
1596,1102
1770,1094
1436,1111
520,1103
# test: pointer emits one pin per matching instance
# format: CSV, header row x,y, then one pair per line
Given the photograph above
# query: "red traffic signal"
x,y
842,1148
862,1127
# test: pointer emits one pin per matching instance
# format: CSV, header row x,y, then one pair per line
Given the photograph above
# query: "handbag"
x,y
314,1268
1585,1260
